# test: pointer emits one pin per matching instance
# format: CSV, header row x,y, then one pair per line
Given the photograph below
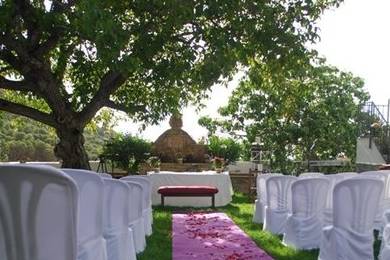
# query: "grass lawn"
x,y
240,210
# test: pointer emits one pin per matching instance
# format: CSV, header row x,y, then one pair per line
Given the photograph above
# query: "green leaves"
x,y
127,151
225,148
308,113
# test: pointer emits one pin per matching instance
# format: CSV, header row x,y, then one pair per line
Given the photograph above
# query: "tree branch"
x,y
110,82
9,58
121,107
26,111
16,85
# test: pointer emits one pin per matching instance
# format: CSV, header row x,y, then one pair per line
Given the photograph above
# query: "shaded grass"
x,y
240,210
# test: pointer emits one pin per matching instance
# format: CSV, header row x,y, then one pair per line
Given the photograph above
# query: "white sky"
x,y
354,37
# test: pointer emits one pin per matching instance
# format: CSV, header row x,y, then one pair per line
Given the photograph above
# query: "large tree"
x,y
63,60
310,113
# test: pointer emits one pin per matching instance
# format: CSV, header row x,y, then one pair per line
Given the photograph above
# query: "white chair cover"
x,y
278,206
91,243
38,213
303,227
385,245
105,175
148,178
147,211
136,220
355,202
310,174
385,200
118,236
327,216
261,200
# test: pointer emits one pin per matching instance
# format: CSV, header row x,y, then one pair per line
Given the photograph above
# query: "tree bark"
x,y
70,148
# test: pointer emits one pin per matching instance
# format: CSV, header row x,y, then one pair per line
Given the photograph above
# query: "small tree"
x,y
309,113
127,152
225,148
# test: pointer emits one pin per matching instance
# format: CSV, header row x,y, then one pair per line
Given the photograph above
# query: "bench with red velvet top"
x,y
188,191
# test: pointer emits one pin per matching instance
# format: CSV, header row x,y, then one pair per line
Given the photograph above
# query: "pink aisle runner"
x,y
211,236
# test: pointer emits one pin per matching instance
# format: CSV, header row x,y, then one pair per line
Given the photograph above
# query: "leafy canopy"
x,y
143,57
308,113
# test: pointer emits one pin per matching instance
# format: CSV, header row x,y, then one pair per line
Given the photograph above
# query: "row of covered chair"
x,y
335,213
47,213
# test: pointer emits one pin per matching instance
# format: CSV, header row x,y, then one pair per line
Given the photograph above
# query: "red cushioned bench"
x,y
188,191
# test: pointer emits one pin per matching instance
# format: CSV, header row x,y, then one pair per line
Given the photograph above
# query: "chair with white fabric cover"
x,y
136,219
90,230
147,177
278,206
310,174
38,213
303,227
355,202
120,243
385,201
147,211
385,245
261,200
333,180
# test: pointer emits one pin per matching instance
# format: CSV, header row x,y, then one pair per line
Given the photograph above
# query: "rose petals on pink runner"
x,y
211,236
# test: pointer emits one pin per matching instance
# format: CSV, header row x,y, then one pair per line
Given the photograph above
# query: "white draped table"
x,y
209,178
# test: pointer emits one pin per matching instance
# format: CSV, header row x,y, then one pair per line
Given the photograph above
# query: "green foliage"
x,y
127,151
68,59
309,113
22,139
154,161
226,148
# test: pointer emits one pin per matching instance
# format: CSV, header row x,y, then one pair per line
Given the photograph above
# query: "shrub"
x,y
127,152
226,148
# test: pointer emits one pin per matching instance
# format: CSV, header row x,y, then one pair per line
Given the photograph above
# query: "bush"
x,y
226,148
127,152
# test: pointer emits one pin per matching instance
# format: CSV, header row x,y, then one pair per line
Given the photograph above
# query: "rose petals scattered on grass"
x,y
211,236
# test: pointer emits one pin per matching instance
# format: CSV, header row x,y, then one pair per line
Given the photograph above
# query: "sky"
x,y
354,37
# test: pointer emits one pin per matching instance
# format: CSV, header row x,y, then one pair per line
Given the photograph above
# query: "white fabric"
x,y
38,213
150,196
303,227
219,180
355,202
136,220
116,220
261,201
105,175
91,243
147,211
385,245
278,206
310,174
333,180
385,200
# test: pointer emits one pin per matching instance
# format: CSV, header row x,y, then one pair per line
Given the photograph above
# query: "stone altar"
x,y
175,143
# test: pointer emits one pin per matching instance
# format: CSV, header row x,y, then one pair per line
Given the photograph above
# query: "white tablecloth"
x,y
219,180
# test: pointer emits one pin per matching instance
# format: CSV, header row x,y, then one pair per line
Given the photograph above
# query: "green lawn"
x,y
240,210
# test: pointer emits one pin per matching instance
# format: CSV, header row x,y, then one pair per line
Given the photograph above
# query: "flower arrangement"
x,y
218,163
154,162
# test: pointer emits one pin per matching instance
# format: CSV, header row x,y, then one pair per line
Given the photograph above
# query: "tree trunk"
x,y
70,149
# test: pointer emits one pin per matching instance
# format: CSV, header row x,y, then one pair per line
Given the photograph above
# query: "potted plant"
x,y
154,163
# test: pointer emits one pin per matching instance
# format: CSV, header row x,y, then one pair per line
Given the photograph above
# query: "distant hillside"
x,y
28,140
